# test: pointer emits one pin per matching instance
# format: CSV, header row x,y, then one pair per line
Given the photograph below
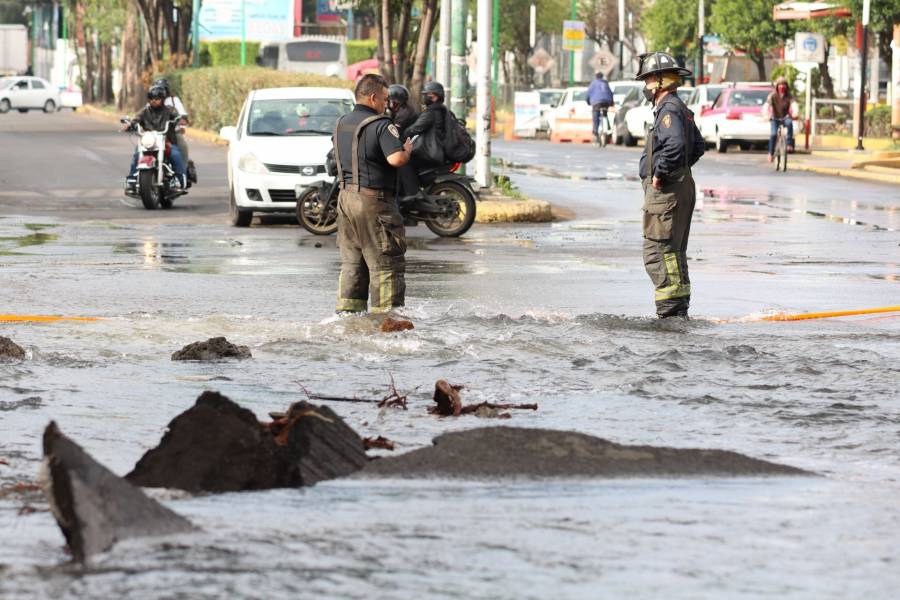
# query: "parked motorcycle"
x,y
155,175
447,208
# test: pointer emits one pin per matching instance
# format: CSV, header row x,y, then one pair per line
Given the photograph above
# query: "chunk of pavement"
x,y
218,446
212,349
390,325
94,507
9,350
447,397
492,452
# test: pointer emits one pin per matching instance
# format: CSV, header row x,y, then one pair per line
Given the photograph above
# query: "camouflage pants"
x,y
667,225
372,242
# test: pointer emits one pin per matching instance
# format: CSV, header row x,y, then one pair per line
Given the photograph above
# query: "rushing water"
x,y
557,315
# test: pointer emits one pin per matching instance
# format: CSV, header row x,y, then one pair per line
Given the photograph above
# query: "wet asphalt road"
x,y
554,313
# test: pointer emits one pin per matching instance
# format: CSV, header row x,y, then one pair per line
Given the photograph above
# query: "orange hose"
x,y
43,318
828,315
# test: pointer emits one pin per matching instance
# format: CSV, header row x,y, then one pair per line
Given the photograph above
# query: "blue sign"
x,y
266,20
810,44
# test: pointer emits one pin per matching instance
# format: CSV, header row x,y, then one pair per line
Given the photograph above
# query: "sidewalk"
x,y
883,166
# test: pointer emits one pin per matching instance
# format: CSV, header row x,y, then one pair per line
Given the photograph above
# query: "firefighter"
x,y
673,145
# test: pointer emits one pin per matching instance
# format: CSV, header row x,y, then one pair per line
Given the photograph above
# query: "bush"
x,y
878,121
224,53
789,72
214,95
360,50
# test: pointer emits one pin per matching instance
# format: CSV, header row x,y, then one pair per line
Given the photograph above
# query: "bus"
x,y
306,54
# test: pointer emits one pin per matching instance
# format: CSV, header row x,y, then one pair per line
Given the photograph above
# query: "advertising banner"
x,y
267,20
573,35
526,113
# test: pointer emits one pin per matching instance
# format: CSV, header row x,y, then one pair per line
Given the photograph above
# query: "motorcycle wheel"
x,y
149,191
166,201
460,209
315,215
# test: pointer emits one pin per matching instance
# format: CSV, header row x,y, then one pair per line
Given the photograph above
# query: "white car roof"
x,y
287,93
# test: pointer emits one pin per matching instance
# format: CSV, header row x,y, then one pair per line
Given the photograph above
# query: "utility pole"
x,y
862,75
701,32
572,52
243,32
495,47
65,35
458,58
195,34
621,39
443,53
483,96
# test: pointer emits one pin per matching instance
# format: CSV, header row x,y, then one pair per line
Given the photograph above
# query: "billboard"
x,y
267,20
573,35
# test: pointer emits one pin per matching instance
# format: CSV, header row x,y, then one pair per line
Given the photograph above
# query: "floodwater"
x,y
555,314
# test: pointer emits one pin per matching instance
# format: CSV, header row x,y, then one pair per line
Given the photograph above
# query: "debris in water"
x,y
379,442
218,446
212,349
390,325
9,350
392,400
449,404
95,508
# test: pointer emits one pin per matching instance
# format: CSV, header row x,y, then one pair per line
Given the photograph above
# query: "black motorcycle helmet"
x,y
398,93
157,92
164,84
656,63
433,87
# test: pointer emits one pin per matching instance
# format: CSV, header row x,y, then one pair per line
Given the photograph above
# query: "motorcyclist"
x,y
154,117
779,106
173,101
432,118
600,98
402,114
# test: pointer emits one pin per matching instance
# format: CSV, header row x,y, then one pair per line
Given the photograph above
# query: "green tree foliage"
x,y
671,26
882,16
748,25
514,26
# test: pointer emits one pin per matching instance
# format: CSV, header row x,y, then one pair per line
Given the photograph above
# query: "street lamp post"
x,y
195,33
572,52
862,75
701,32
621,38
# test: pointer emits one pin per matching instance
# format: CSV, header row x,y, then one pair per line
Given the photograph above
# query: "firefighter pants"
x,y
372,242
667,224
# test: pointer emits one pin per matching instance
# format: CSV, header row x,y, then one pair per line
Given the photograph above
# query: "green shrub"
x,y
214,95
789,72
359,50
223,53
878,121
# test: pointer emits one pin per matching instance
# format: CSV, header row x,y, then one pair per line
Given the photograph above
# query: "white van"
x,y
306,54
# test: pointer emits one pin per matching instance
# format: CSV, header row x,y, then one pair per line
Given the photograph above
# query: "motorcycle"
x,y
447,207
155,175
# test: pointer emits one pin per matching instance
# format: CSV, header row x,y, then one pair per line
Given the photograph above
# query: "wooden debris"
x,y
380,442
449,404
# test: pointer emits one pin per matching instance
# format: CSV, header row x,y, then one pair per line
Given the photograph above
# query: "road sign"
x,y
573,35
809,47
541,61
603,61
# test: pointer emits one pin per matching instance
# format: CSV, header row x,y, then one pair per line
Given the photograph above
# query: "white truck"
x,y
13,49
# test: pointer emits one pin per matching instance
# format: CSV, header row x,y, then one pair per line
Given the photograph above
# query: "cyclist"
x,y
781,107
600,97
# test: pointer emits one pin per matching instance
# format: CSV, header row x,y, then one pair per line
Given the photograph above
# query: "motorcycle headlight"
x,y
250,164
148,140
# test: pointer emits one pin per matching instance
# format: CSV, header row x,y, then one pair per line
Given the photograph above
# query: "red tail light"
x,y
733,116
455,167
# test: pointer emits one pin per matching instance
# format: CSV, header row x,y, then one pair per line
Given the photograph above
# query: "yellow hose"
x,y
43,318
828,315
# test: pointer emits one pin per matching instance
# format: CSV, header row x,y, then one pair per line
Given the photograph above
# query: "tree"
x,y
400,59
748,25
601,19
514,31
883,15
669,26
830,28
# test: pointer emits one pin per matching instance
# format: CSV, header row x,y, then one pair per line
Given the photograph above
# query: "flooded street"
x,y
559,314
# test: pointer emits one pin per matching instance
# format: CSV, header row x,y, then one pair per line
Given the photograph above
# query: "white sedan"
x,y
640,118
27,93
573,104
281,140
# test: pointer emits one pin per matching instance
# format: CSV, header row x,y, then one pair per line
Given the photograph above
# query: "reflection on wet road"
x,y
557,314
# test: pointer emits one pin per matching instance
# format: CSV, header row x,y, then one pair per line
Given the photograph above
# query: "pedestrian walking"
x,y
672,147
371,236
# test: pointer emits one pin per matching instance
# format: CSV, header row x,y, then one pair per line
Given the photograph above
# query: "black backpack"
x,y
458,144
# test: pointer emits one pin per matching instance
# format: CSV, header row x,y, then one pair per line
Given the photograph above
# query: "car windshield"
x,y
579,96
551,98
748,98
296,116
685,93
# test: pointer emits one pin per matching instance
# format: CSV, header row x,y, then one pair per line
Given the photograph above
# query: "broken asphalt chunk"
x,y
9,350
212,349
94,507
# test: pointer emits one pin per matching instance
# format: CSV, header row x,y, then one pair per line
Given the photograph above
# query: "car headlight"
x,y
148,140
250,164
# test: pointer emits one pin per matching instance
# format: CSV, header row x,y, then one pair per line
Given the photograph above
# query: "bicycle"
x,y
781,153
604,131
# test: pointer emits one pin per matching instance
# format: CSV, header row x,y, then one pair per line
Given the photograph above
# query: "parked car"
x,y
27,93
70,98
549,99
640,118
356,71
704,96
280,141
573,104
620,135
736,117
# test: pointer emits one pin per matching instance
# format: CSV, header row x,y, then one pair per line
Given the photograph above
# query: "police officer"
x,y
371,237
673,146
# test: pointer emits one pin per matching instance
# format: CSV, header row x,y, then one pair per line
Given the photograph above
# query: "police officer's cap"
x,y
654,63
433,87
398,93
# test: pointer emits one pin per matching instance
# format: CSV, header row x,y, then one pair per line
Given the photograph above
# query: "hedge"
x,y
214,95
223,53
878,121
360,50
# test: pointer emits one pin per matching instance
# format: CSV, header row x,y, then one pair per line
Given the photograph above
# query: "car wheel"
x,y
49,106
629,139
23,110
238,217
746,146
721,145
5,106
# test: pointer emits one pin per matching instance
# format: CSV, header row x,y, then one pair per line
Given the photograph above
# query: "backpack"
x,y
458,144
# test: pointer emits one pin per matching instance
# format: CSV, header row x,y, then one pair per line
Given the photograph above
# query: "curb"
x,y
868,175
91,111
513,211
192,133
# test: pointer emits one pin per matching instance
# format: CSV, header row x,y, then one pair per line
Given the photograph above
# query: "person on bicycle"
x,y
600,97
779,104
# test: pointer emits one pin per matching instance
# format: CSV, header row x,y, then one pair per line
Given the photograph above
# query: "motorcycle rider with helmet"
x,y
432,118
402,114
173,101
154,117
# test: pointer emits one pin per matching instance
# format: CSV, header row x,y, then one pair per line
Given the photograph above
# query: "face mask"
x,y
428,100
649,94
